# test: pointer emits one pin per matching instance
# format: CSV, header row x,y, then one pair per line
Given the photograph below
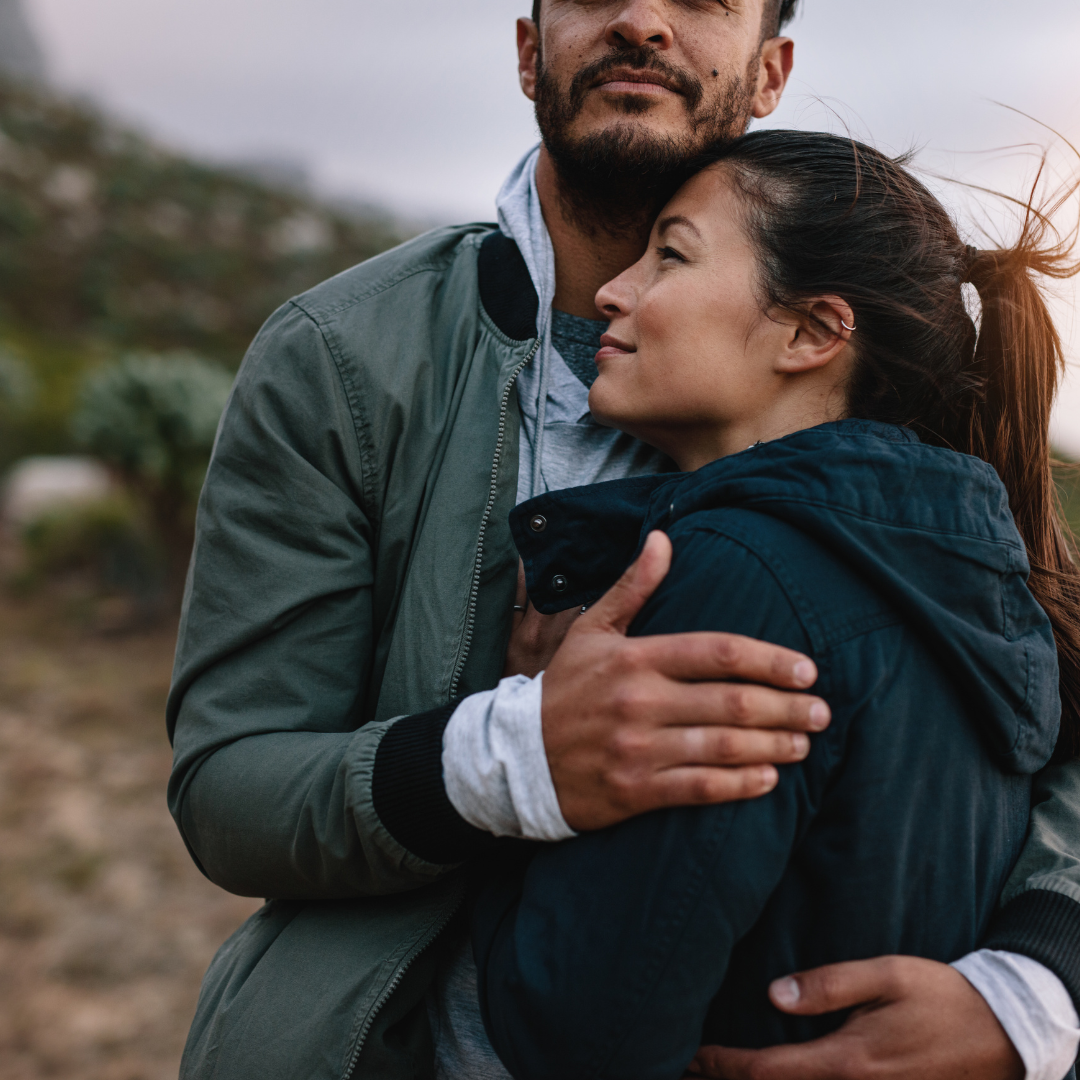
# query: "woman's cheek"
x,y
614,395
600,397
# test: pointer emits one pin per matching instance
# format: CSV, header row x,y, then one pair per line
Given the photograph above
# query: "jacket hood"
x,y
929,529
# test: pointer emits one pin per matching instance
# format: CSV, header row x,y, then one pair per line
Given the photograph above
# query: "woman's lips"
x,y
611,347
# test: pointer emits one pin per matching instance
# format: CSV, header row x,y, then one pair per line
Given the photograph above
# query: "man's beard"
x,y
616,180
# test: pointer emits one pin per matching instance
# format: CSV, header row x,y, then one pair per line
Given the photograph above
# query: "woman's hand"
x,y
535,637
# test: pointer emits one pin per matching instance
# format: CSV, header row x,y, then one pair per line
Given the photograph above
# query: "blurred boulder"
x,y
43,485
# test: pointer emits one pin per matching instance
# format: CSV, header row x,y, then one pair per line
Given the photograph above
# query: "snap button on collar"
x,y
538,523
559,583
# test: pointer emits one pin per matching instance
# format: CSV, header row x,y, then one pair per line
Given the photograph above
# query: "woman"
x,y
866,481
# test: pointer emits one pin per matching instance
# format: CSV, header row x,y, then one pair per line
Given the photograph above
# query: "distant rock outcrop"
x,y
106,237
110,244
20,55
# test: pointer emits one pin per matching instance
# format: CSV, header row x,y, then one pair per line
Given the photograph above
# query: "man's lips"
x,y
611,347
631,81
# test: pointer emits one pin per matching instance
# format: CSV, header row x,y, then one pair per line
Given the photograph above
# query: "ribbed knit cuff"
x,y
1045,926
410,797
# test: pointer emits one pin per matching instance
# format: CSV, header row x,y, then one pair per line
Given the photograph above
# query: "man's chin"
x,y
626,146
634,137
652,124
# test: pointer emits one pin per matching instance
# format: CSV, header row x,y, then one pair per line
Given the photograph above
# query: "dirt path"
x,y
105,924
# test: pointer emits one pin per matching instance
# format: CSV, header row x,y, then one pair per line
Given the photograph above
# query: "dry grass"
x,y
106,926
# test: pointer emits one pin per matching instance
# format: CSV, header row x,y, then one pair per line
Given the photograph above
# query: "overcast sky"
x,y
415,104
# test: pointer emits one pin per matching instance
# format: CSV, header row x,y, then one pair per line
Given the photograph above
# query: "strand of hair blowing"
x,y
1020,358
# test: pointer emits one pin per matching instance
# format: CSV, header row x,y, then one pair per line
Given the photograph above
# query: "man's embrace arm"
x,y
275,644
917,1020
277,787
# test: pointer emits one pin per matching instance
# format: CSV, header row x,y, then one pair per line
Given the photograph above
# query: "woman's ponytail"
x,y
1019,363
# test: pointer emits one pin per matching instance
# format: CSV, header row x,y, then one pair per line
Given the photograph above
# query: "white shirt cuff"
x,y
1033,1007
495,766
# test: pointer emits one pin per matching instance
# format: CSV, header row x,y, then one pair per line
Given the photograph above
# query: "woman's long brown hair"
x,y
1021,361
830,215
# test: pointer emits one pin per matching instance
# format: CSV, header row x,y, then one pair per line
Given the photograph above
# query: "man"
x,y
342,739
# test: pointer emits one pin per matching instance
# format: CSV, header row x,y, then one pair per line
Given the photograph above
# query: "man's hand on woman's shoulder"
x,y
637,724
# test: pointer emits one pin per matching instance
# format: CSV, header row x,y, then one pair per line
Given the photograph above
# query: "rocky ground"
x,y
106,926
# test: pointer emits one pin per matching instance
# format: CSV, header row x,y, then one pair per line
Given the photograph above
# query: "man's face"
x,y
648,83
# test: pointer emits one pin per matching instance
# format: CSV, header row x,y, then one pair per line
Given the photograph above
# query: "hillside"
x,y
110,243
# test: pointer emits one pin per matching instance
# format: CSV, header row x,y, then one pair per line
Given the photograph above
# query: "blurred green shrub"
x,y
105,542
19,397
39,378
18,387
153,419
1067,475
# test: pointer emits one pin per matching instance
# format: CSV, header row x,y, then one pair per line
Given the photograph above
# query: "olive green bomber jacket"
x,y
351,577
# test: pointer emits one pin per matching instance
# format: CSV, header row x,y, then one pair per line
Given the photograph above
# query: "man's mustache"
x,y
640,59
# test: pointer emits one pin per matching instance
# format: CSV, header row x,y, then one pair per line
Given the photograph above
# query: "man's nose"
x,y
638,23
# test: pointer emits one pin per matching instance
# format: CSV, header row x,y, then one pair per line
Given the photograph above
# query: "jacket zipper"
x,y
395,982
460,667
474,591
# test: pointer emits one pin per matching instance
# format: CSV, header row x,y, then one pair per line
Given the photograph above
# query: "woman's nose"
x,y
613,299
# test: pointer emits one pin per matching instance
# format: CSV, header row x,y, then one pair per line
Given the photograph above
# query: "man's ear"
x,y
528,43
777,59
817,335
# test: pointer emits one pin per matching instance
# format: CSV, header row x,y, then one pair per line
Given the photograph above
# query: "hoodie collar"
x,y
928,529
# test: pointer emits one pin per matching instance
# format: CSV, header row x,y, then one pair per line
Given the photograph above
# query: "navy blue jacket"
x,y
898,568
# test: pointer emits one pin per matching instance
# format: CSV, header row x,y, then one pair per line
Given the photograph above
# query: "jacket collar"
x,y
506,289
576,542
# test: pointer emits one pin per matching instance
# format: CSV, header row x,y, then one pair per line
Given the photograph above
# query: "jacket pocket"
x,y
292,993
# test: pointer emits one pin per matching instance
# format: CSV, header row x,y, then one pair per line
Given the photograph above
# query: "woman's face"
x,y
690,363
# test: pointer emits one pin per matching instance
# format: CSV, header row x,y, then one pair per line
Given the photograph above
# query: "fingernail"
x,y
800,745
805,673
769,777
786,992
819,715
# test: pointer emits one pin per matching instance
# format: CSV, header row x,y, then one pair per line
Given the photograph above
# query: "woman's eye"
x,y
666,253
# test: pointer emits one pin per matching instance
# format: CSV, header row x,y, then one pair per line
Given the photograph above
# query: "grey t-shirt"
x,y
577,341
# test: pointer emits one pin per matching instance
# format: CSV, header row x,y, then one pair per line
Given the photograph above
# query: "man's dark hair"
x,y
785,12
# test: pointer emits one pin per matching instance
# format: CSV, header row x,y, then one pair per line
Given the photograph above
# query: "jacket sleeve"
x,y
1040,912
601,957
273,773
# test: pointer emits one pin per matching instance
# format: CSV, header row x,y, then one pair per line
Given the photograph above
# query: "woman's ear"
x,y
817,335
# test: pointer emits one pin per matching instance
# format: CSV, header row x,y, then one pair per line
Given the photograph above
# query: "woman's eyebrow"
x,y
677,219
